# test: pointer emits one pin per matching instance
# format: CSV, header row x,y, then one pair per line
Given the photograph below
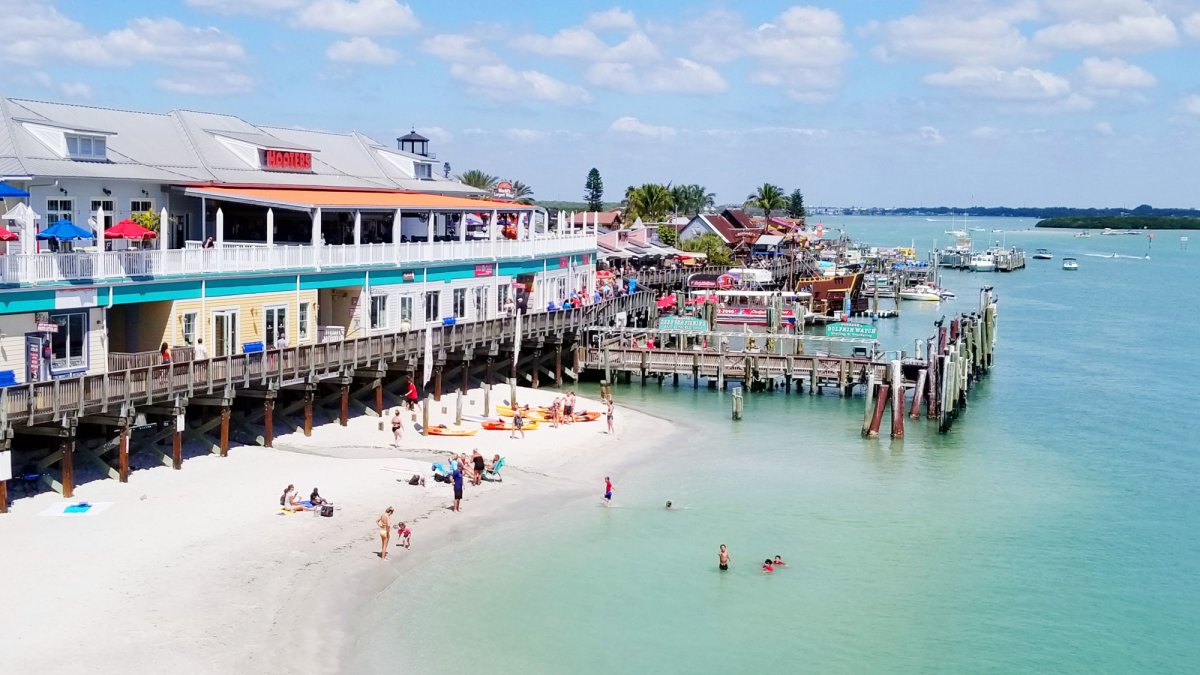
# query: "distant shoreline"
x,y
1122,223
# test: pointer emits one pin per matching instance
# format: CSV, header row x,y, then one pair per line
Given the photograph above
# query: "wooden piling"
x,y
842,377
123,453
880,404
269,422
458,403
425,414
437,383
869,408
225,412
180,423
918,392
813,384
897,399
378,399
537,365
487,399
344,411
308,412
558,366
66,448
3,496
737,404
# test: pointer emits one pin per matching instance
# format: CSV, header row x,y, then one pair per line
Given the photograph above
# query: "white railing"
x,y
49,268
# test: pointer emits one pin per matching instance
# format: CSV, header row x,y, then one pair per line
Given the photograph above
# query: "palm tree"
x,y
522,192
650,202
768,198
695,198
478,179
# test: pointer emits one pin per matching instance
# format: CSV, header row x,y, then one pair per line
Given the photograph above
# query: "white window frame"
x,y
70,362
97,147
110,214
481,302
229,313
304,321
146,200
406,310
53,215
377,319
188,320
459,303
277,309
436,306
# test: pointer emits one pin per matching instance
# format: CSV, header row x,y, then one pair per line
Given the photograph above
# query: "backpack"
x,y
327,510
415,480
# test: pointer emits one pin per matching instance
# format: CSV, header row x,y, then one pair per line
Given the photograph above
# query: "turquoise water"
x,y
1053,530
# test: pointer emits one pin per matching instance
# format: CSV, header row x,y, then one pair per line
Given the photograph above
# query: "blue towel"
x,y
81,507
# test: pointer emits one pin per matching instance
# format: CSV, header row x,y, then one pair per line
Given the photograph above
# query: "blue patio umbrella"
x,y
9,192
65,230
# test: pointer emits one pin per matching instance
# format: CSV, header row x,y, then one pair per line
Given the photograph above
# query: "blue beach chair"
x,y
494,472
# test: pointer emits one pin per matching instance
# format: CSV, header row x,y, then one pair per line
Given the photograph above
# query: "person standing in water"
x,y
723,559
608,490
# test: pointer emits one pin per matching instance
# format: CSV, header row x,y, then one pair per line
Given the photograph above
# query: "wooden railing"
x,y
49,402
679,275
132,360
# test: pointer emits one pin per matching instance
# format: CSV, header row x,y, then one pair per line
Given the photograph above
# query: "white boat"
x,y
1083,235
1070,264
983,262
956,233
922,292
1042,254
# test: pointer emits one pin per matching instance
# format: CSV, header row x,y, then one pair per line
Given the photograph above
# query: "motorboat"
x,y
1083,235
956,233
1070,264
1042,254
921,292
983,262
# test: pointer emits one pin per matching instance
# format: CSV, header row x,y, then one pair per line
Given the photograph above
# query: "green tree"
x,y
795,205
710,245
478,179
147,219
769,198
668,235
593,191
691,199
522,192
650,202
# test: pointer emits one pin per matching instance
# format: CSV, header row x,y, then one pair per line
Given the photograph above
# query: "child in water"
x,y
768,566
779,561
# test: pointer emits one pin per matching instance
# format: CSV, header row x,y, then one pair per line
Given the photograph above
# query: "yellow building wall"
x,y
251,317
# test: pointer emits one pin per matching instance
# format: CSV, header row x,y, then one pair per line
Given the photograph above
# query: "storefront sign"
x,y
287,160
485,270
564,262
851,330
409,276
682,323
75,298
504,190
49,327
33,358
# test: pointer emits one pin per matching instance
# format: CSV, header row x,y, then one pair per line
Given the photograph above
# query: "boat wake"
x,y
1117,255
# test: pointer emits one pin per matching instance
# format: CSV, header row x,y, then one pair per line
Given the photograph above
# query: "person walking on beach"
x,y
723,559
397,428
518,424
608,490
385,531
458,487
608,408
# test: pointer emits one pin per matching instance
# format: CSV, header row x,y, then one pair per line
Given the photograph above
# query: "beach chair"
x,y
494,472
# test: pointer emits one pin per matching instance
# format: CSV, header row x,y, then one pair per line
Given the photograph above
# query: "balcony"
x,y
92,267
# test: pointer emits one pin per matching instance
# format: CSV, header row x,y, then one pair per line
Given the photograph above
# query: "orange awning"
x,y
309,198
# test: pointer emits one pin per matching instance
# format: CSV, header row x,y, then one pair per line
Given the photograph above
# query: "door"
x,y
275,327
225,332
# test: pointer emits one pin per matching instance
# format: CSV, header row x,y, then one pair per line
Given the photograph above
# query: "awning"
x,y
305,199
768,240
9,192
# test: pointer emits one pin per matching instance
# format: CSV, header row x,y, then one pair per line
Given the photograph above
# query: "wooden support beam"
x,y
558,366
225,431
466,377
881,402
537,360
123,453
379,397
437,384
344,412
308,412
3,496
268,423
66,447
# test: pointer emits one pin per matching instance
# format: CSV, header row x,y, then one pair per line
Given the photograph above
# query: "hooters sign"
x,y
287,160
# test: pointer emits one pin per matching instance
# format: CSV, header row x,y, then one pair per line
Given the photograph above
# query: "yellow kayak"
x,y
530,414
443,430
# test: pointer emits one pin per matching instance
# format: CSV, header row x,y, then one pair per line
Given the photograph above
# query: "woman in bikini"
x,y
385,532
397,428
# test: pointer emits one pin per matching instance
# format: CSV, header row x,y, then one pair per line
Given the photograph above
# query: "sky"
x,y
856,103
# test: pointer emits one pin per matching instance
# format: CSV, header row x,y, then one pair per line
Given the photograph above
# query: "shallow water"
x,y
1053,530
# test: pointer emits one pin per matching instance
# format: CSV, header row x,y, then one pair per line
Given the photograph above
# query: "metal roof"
x,y
261,140
305,199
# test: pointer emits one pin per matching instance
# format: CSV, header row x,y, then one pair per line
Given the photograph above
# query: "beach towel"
x,y
76,509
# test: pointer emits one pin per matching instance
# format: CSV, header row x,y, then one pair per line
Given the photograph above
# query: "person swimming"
x,y
668,503
778,562
767,566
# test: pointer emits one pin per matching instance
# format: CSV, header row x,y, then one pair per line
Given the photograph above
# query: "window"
x,y
432,301
304,318
406,310
109,207
460,303
481,303
189,328
68,345
275,329
502,295
59,209
141,205
379,318
86,147
424,171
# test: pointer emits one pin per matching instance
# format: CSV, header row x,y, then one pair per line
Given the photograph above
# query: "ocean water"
x,y
1055,529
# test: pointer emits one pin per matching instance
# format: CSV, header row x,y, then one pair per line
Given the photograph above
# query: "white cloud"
x,y
680,76
582,43
502,82
930,135
954,40
1110,76
632,125
1126,33
1026,84
435,134
1097,10
75,89
614,18
361,50
160,40
1192,104
1191,25
216,83
802,51
457,48
247,6
524,135
1104,129
988,133
361,17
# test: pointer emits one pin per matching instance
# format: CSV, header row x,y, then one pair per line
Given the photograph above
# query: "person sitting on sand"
x,y
317,500
778,562
767,566
288,500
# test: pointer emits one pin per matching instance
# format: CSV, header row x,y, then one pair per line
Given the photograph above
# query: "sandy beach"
x,y
199,571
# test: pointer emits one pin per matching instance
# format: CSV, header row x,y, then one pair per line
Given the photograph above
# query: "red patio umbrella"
x,y
127,229
7,235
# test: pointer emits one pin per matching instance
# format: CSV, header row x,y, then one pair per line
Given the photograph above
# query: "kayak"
x,y
443,430
530,415
506,425
584,416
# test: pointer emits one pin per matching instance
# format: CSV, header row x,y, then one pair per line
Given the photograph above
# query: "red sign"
x,y
504,190
287,160
485,270
587,258
564,262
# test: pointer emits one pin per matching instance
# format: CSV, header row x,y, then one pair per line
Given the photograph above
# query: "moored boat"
x,y
922,292
1070,264
983,262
